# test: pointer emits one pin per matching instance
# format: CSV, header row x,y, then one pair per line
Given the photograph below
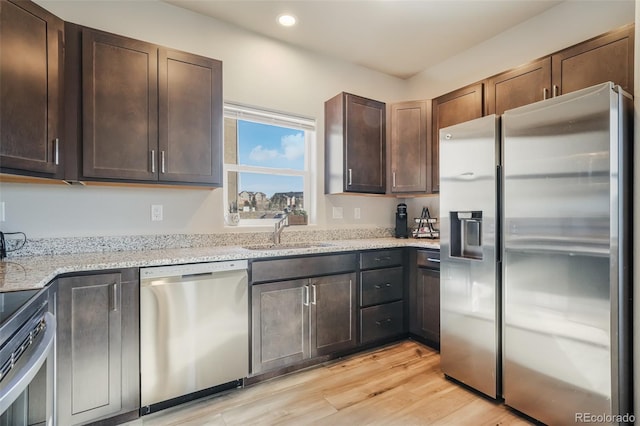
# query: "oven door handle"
x,y
21,380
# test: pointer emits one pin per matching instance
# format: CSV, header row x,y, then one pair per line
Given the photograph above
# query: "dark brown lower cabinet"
x,y
381,322
381,295
97,347
301,319
425,306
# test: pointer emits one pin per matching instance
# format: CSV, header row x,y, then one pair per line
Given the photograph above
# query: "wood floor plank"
x,y
400,384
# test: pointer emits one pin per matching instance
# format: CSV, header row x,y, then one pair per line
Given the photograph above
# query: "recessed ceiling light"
x,y
287,20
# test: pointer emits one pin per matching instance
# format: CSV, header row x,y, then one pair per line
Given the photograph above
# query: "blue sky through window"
x,y
265,145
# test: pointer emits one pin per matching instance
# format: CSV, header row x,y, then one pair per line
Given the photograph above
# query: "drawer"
x,y
381,322
380,286
380,258
428,259
301,267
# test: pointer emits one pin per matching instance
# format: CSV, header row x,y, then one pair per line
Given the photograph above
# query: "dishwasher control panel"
x,y
192,269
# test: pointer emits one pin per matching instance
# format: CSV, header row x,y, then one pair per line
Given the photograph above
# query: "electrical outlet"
x,y
337,213
156,212
356,213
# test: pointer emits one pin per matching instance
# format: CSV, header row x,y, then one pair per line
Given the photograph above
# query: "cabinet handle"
x,y
315,294
305,302
162,162
394,179
555,90
379,286
114,297
544,93
382,259
431,259
153,161
350,176
56,151
384,322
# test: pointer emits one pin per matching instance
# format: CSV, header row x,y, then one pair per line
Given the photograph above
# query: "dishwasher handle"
x,y
192,269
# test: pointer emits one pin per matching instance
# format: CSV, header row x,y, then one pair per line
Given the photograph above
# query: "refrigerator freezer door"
x,y
469,342
559,260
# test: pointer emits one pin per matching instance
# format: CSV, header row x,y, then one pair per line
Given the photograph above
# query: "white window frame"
x,y
260,115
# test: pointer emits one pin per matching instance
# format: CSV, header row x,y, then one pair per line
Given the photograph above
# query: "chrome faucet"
x,y
280,225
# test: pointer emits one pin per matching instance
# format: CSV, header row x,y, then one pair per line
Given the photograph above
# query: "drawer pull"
x,y
430,259
380,286
384,322
382,259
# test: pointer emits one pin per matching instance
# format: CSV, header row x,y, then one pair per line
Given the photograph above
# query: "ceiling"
x,y
396,37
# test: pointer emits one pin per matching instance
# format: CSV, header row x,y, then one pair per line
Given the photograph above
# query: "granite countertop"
x,y
34,272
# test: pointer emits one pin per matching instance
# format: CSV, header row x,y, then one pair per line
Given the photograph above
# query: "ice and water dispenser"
x,y
466,234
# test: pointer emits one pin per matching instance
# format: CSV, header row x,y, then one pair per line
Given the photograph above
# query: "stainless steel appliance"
x,y
27,337
536,268
194,331
469,268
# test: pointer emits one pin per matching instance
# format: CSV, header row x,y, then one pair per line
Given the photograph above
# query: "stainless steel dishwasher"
x,y
194,331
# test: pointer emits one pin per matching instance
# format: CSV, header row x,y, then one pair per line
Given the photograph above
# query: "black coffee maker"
x,y
402,230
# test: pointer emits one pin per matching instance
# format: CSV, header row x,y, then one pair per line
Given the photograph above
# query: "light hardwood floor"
x,y
400,384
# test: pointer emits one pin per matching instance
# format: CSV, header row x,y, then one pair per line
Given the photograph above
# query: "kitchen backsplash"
x,y
76,245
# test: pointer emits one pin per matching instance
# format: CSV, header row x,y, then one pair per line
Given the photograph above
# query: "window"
x,y
267,165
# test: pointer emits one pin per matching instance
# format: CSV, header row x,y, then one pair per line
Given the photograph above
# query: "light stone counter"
x,y
34,272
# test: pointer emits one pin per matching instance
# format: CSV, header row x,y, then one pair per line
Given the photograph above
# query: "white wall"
x,y
262,72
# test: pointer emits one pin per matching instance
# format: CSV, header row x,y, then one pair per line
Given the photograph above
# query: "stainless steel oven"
x,y
27,350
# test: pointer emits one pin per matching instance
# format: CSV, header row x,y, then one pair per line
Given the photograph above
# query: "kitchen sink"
x,y
288,246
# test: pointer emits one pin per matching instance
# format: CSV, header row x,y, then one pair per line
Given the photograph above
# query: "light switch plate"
x,y
337,213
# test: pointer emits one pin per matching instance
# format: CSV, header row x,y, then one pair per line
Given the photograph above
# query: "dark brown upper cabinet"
x,y
456,107
521,86
410,125
190,108
355,145
119,107
31,70
608,57
143,113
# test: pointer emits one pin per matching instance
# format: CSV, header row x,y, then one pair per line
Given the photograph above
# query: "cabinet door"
x,y
365,161
89,347
381,322
409,133
456,107
521,86
605,58
333,313
31,46
381,286
120,107
280,324
190,132
428,306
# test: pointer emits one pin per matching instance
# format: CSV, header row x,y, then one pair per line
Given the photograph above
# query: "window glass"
x,y
267,165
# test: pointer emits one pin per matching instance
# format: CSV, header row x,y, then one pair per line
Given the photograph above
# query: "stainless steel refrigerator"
x,y
535,210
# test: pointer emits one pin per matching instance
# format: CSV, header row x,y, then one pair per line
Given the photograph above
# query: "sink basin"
x,y
288,246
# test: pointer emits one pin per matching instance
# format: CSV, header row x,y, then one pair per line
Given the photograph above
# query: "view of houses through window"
x,y
266,165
